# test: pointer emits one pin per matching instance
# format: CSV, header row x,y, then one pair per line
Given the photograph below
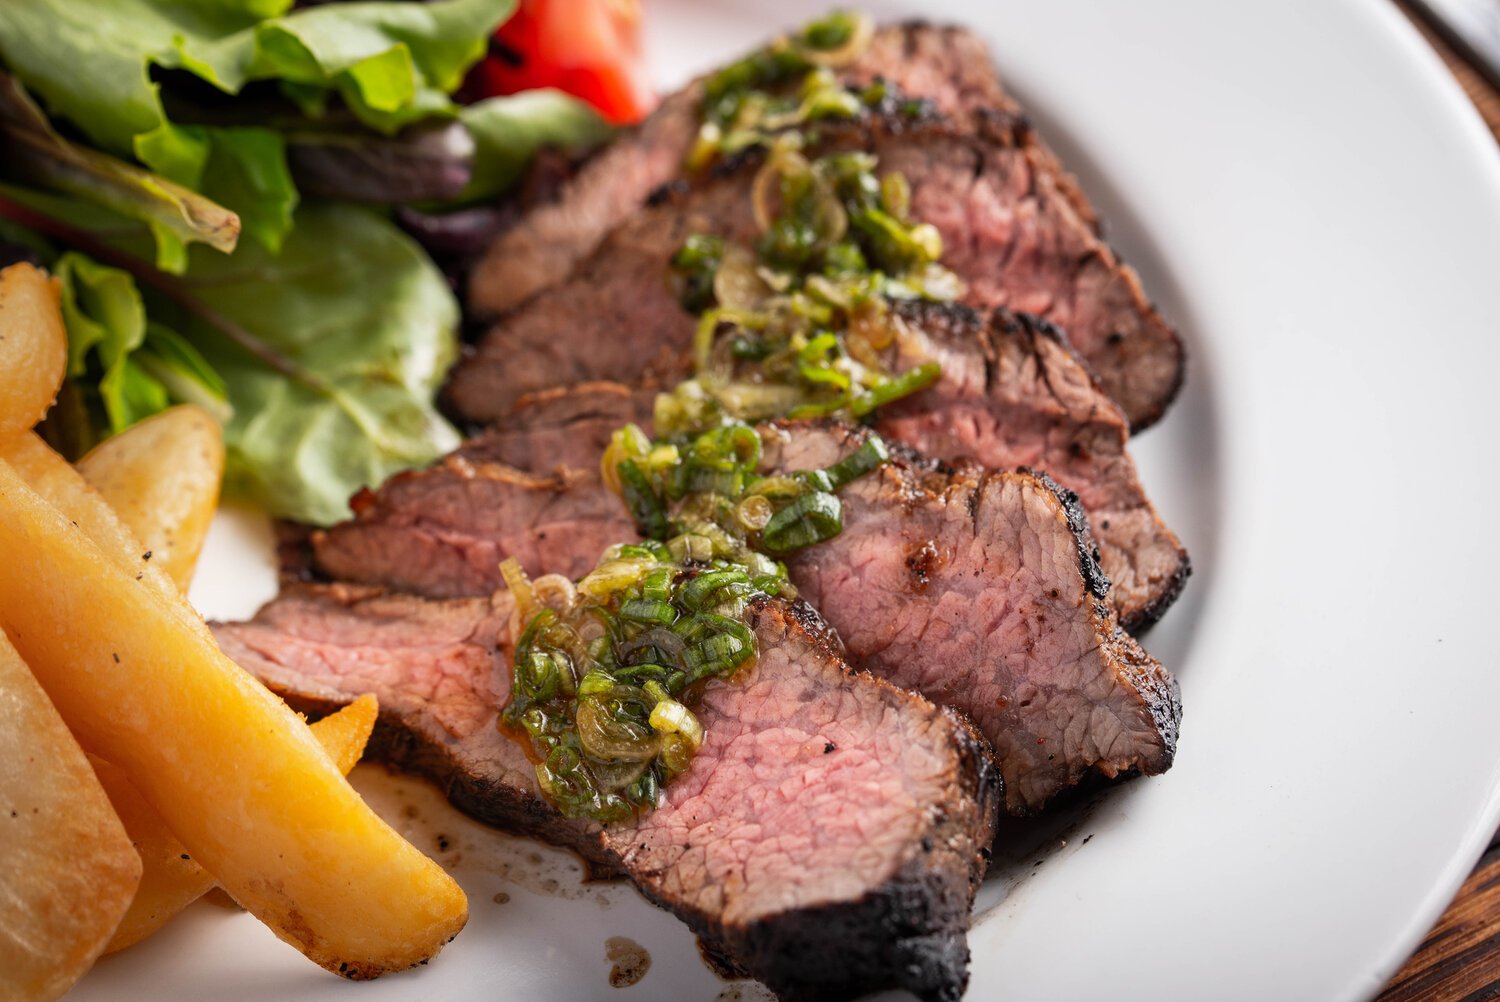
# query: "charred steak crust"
x,y
1138,357
985,595
1009,230
828,839
1083,537
1013,393
949,66
921,912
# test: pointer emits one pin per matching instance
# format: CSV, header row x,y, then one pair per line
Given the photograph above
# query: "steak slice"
x,y
1012,394
440,671
827,840
566,428
946,65
1008,230
443,530
981,591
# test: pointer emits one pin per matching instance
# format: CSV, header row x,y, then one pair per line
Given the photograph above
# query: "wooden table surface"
x,y
1459,961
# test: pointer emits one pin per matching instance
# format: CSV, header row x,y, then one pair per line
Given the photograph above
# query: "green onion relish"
x,y
787,84
606,672
800,326
603,680
701,496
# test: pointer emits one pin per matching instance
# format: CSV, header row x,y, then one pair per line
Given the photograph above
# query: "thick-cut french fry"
x,y
162,478
67,870
63,487
232,771
344,734
171,879
33,347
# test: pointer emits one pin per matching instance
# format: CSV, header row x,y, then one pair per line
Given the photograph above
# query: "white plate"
x,y
1310,198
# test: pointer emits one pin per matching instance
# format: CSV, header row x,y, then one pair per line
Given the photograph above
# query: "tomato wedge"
x,y
588,48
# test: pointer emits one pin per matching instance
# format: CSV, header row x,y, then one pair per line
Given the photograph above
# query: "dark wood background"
x,y
1459,961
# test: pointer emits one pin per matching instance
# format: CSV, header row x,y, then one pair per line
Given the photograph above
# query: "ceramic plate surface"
x,y
1308,196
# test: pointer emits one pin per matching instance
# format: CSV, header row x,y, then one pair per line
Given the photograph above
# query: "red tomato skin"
x,y
588,48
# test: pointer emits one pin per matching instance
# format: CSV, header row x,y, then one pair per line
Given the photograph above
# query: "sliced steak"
x,y
981,590
827,840
946,65
443,530
440,671
1008,229
1012,394
1012,231
564,428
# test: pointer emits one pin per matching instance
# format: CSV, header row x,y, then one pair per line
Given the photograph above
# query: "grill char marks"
x,y
984,596
1013,224
978,589
443,531
945,65
825,874
1014,394
1012,230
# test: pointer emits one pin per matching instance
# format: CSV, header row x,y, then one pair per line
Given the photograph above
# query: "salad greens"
x,y
507,130
144,138
91,63
364,322
36,152
145,365
329,352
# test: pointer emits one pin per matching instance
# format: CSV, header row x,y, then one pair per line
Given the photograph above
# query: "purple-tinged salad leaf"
x,y
36,154
94,64
425,163
157,126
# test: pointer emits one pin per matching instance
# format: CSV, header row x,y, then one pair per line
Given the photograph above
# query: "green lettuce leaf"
x,y
367,328
330,352
90,63
37,154
508,130
126,367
